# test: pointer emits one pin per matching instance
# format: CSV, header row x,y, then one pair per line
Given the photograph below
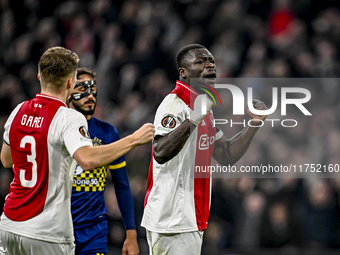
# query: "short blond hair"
x,y
56,65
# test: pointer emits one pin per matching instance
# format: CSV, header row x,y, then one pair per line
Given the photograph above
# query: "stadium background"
x,y
132,46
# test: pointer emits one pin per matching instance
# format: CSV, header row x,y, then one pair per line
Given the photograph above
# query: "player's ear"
x,y
69,83
182,72
38,75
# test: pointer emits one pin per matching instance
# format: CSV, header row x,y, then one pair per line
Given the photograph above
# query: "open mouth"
x,y
210,76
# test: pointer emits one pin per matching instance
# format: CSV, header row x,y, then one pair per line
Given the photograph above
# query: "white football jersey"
x,y
43,134
178,198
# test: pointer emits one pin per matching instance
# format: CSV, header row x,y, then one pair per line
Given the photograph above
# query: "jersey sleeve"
x,y
171,113
9,123
124,197
122,188
119,162
75,132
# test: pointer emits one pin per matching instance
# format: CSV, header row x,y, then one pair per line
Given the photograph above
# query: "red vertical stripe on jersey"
x,y
204,152
24,203
150,180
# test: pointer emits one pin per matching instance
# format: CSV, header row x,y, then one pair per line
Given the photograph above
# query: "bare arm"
x,y
90,158
6,156
168,146
228,152
130,245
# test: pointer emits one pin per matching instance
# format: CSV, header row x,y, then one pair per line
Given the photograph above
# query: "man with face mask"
x,y
87,202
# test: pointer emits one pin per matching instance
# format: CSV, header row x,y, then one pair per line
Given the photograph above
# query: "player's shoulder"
x,y
102,125
172,105
171,97
69,115
13,114
70,112
172,100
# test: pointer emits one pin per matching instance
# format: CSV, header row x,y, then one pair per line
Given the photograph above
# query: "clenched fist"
x,y
256,119
144,134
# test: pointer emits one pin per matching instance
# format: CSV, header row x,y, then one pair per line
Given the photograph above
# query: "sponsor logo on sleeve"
x,y
168,122
83,131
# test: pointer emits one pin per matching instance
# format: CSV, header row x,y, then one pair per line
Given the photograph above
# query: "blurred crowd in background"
x,y
131,45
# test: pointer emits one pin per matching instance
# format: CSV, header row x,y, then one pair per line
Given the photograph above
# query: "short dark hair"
x,y
182,53
83,70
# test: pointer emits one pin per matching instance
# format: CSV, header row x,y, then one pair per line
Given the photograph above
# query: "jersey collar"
x,y
51,97
185,92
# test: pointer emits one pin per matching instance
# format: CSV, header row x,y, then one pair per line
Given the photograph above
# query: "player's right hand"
x,y
144,134
202,107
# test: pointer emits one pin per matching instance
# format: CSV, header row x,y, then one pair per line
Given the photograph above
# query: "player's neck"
x,y
61,95
88,117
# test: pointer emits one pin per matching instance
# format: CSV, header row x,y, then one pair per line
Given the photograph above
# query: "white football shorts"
x,y
187,243
12,244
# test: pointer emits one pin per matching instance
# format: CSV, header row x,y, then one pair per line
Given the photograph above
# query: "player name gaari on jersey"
x,y
31,121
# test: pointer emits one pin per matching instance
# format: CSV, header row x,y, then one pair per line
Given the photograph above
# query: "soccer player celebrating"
x,y
41,140
87,201
177,204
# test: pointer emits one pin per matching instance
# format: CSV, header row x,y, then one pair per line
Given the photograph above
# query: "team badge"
x,y
168,122
96,141
83,131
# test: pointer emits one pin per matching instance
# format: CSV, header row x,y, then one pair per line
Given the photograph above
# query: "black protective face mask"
x,y
78,96
89,90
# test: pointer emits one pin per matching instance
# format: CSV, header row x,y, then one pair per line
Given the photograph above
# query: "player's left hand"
x,y
130,246
258,105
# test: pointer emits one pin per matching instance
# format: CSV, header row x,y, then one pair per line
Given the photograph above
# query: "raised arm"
x,y
228,152
168,146
90,158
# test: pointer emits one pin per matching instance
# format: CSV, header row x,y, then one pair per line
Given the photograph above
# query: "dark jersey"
x,y
87,201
